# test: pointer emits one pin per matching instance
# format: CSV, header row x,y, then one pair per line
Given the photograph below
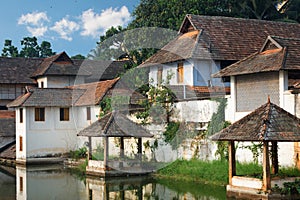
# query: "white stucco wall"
x,y
195,111
21,131
60,81
172,68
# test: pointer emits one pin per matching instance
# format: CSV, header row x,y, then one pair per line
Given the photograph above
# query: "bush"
x,y
80,153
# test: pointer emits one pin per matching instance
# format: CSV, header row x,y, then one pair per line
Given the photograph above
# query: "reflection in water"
x,y
57,183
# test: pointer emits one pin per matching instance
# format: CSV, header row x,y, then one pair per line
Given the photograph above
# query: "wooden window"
x,y
180,74
88,113
21,143
64,114
42,84
21,184
21,115
39,114
159,75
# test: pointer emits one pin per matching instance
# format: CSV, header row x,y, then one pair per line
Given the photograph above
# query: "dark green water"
x,y
55,182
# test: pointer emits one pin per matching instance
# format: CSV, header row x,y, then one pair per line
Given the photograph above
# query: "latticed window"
x,y
180,74
39,114
64,114
253,90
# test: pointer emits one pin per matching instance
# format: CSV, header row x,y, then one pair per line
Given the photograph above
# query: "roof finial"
x,y
269,101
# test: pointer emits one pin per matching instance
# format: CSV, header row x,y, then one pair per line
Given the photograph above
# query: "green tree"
x,y
30,47
9,50
78,57
258,9
45,50
291,10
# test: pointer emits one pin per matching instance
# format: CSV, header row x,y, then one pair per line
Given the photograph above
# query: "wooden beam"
x,y
106,153
140,149
90,149
231,161
266,167
121,152
274,154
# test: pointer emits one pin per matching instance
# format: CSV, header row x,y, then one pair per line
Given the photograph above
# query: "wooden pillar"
x,y
266,167
140,149
231,161
106,153
90,149
274,158
121,152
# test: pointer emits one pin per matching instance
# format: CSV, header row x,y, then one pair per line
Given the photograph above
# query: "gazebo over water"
x,y
268,124
115,124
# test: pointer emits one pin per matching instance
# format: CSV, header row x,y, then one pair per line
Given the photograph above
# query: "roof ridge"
x,y
285,38
241,19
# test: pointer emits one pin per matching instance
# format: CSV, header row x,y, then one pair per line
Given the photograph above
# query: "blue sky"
x,y
73,26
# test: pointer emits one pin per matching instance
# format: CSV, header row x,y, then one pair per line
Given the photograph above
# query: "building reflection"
x,y
135,188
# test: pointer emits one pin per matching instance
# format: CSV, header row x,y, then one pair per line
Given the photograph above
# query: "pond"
x,y
56,182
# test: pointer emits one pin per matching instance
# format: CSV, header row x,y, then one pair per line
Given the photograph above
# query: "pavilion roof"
x,y
115,124
267,123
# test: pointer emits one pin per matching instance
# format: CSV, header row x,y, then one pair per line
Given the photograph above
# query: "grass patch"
x,y
214,172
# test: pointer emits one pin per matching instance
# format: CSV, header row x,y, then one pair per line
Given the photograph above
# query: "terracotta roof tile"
x,y
7,114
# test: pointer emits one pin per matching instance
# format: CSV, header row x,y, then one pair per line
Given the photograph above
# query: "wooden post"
x,y
274,158
106,153
231,161
121,152
266,167
140,149
90,148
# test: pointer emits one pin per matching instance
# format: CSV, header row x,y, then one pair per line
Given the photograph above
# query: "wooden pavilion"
x,y
268,124
115,124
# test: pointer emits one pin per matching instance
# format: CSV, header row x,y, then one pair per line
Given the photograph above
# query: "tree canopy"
x,y
169,14
30,48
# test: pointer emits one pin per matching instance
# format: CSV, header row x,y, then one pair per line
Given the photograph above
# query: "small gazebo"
x,y
115,124
267,124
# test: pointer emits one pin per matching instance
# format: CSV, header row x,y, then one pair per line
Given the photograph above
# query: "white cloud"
x,y
65,28
35,23
95,24
37,31
35,18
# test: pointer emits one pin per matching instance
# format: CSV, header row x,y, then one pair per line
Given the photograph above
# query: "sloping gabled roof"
x,y
77,95
114,124
220,38
52,97
267,123
59,64
284,57
101,69
93,92
18,70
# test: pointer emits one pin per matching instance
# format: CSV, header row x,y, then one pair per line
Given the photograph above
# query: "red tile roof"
x,y
7,114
